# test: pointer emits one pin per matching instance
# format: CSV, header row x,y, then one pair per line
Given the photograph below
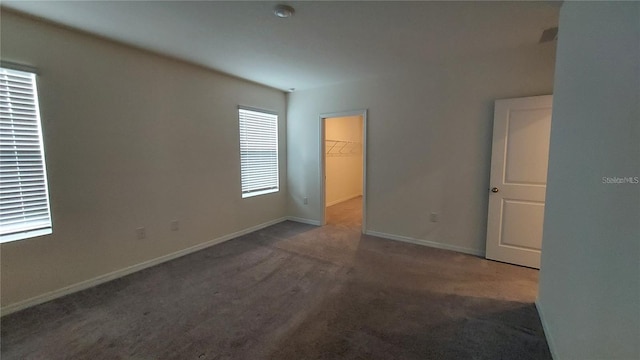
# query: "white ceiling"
x,y
323,43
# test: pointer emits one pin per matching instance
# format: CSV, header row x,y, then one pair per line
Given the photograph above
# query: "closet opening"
x,y
343,152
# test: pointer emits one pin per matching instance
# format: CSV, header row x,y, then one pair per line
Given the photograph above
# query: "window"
x,y
258,152
24,198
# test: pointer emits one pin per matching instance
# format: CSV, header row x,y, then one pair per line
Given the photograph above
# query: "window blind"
x,y
258,152
24,198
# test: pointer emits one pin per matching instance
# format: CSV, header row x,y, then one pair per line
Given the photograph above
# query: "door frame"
x,y
322,162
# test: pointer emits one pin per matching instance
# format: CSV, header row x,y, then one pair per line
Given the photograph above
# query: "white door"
x,y
521,129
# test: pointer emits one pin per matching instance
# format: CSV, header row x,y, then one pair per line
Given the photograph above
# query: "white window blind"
x,y
24,198
258,152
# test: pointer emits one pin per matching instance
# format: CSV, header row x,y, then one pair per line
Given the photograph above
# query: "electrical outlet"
x,y
141,233
434,217
305,200
175,225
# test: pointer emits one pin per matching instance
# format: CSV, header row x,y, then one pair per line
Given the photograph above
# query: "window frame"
x,y
257,192
47,226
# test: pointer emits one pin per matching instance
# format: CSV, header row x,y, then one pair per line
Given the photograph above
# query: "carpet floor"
x,y
294,291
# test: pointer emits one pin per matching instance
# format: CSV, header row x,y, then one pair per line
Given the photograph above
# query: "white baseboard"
x,y
545,327
304,221
428,243
342,200
39,299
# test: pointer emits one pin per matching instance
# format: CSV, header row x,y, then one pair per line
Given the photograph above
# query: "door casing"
x,y
322,170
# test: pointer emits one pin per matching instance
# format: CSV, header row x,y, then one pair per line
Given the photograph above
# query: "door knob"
x,y
494,190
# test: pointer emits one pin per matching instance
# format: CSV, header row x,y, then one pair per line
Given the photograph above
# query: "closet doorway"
x,y
343,169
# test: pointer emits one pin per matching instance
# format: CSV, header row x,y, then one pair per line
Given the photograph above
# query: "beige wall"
x,y
131,139
429,142
344,161
590,273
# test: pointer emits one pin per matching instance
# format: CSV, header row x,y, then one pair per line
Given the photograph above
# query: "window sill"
x,y
256,193
24,235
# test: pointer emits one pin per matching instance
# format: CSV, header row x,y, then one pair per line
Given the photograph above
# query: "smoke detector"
x,y
283,11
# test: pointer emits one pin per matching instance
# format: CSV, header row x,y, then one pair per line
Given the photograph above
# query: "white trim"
x,y
322,163
20,67
25,234
256,174
321,171
39,299
250,108
261,192
35,222
428,243
545,327
343,200
365,115
304,221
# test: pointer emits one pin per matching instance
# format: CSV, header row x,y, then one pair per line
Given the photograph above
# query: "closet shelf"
x,y
342,148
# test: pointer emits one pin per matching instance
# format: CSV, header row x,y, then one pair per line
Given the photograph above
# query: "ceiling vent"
x,y
550,34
